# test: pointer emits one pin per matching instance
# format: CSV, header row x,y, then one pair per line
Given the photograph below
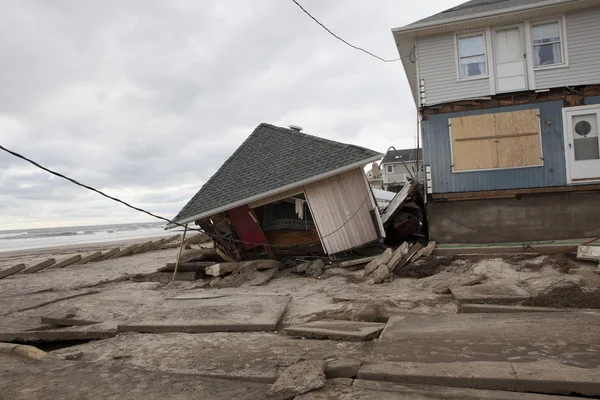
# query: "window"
x,y
390,169
471,56
547,44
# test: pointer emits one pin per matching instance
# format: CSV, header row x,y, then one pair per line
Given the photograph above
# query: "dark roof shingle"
x,y
406,154
269,159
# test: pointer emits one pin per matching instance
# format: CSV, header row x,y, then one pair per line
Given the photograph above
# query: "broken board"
x,y
489,293
234,313
338,330
553,353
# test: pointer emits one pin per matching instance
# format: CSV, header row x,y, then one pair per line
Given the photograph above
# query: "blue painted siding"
x,y
592,100
436,152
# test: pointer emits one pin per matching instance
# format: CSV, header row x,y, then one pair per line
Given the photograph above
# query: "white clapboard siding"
x,y
583,45
437,66
333,201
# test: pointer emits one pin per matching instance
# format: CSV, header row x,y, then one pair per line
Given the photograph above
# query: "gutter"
x,y
450,21
275,191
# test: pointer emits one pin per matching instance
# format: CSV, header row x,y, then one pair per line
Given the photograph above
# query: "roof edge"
x,y
275,191
416,26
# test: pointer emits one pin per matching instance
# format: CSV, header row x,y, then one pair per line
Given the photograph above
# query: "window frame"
x,y
388,168
457,57
560,20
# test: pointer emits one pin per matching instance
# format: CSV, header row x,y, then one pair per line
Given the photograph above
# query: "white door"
x,y
511,72
582,143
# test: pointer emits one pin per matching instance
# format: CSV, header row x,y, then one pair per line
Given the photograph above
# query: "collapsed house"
x,y
508,93
284,192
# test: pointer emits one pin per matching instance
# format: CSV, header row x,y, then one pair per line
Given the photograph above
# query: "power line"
x,y
346,42
22,157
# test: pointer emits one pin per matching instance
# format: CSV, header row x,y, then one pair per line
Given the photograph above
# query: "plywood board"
x,y
473,154
518,151
500,140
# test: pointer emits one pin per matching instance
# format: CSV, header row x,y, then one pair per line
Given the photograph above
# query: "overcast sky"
x,y
146,99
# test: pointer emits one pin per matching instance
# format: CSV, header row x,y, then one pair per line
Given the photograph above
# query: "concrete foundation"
x,y
541,217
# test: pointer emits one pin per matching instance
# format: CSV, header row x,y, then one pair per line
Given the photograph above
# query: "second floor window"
x,y
547,44
390,169
471,55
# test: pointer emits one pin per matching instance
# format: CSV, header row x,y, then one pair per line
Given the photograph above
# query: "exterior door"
x,y
511,71
582,143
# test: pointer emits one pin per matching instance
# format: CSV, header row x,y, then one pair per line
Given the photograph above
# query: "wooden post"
x,y
179,255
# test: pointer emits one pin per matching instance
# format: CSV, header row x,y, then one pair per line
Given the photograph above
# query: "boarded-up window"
x,y
501,140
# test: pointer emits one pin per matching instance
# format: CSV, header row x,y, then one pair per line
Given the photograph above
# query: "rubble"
x,y
316,268
299,378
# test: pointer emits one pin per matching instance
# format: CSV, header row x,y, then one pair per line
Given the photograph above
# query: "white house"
x,y
508,93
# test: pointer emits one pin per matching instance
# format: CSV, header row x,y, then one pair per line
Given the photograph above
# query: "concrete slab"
x,y
54,378
11,271
57,335
248,356
241,313
64,263
450,393
495,308
39,266
338,330
299,378
555,353
64,321
489,293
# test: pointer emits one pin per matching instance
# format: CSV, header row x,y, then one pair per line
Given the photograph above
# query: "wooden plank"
x,y
291,237
477,154
108,254
509,135
511,193
358,261
396,202
588,253
11,271
39,266
519,151
91,257
64,263
124,252
407,257
276,197
198,238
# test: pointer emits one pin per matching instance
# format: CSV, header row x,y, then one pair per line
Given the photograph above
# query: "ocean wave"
x,y
37,235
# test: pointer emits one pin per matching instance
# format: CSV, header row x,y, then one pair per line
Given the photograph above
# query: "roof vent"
x,y
295,128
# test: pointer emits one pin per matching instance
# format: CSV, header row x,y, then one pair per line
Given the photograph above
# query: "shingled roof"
x,y
272,159
405,155
472,8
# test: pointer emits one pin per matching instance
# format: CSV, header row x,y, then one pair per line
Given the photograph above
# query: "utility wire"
x,y
346,42
525,247
22,157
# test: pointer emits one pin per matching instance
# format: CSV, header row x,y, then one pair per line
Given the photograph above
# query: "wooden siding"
x,y
333,202
583,46
498,140
437,66
437,154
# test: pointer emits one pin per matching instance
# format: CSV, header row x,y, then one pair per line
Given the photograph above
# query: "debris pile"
x,y
566,295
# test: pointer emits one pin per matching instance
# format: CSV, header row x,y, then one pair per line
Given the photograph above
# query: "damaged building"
x,y
284,192
508,94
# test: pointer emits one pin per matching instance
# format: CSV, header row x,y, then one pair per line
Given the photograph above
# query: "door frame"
x,y
566,112
521,27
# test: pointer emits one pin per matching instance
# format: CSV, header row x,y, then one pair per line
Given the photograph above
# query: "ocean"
x,y
24,239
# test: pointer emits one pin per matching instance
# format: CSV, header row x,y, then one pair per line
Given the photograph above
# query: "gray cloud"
x,y
146,99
